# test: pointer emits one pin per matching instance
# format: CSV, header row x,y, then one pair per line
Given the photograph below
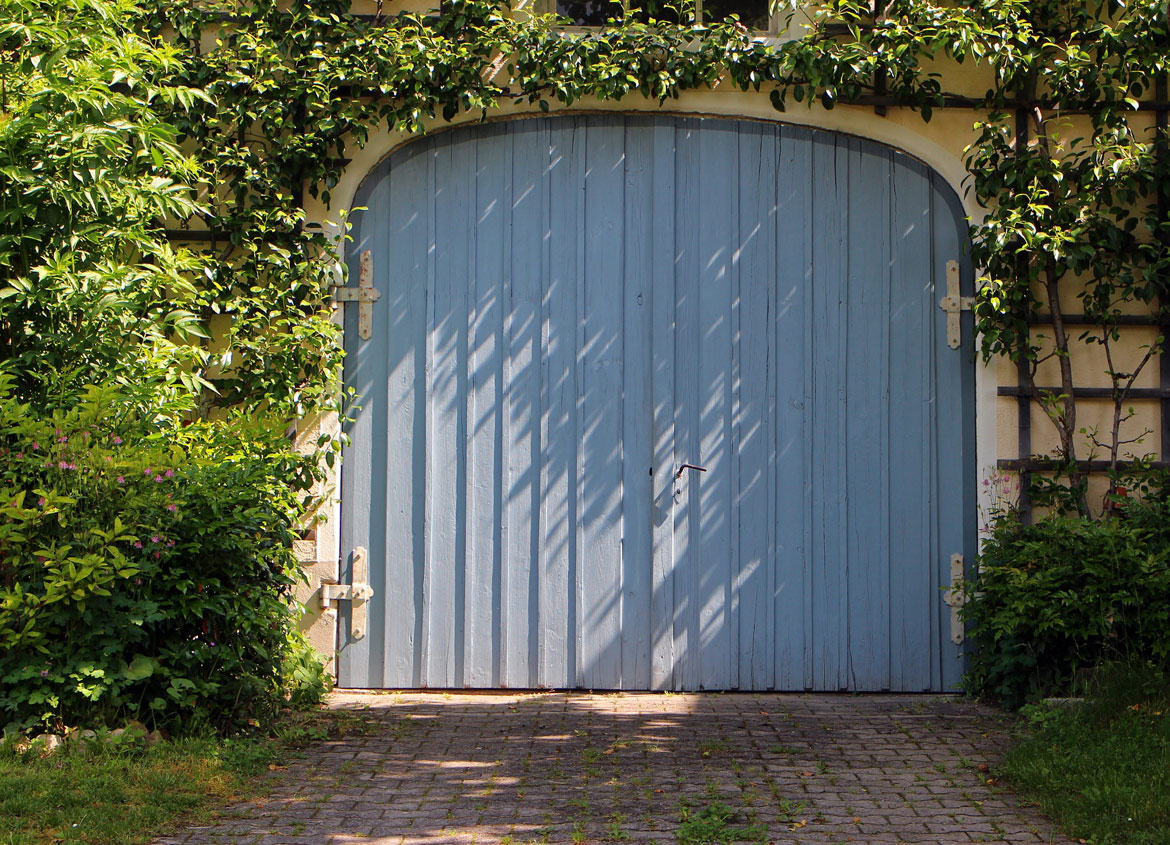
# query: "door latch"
x,y
684,467
358,594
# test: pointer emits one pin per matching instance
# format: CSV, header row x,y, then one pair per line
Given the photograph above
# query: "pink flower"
x,y
170,543
155,539
158,479
62,439
85,434
138,544
19,455
121,480
36,446
108,459
156,555
172,508
117,441
41,502
170,473
146,471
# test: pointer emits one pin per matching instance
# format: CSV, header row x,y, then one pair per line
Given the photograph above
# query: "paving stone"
x,y
549,767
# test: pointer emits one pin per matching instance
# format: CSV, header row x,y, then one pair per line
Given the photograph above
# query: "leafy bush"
x,y
1066,595
145,568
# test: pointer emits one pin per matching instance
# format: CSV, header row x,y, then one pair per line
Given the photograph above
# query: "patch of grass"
x,y
716,822
1101,770
124,796
128,795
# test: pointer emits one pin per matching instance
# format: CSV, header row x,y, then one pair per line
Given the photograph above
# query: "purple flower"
x,y
63,465
117,440
158,479
146,471
121,480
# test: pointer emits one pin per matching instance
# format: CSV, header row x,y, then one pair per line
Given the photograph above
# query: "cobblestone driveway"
x,y
494,768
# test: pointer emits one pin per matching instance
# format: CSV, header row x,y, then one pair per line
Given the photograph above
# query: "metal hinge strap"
x,y
358,594
955,597
954,304
365,295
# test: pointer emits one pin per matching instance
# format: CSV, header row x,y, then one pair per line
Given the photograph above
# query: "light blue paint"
x,y
573,307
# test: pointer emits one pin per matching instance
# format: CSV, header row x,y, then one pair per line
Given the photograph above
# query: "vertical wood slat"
x,y
483,409
910,551
714,237
730,335
663,339
828,551
558,466
755,259
686,416
638,413
602,395
794,468
867,573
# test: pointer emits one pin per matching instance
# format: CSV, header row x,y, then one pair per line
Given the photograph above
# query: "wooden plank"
x,y
715,237
686,406
558,468
828,551
1087,392
954,428
1041,464
446,470
755,260
908,493
662,294
867,419
637,411
484,410
404,460
602,404
358,664
790,384
521,426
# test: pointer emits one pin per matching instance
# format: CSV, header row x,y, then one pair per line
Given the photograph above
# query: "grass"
x,y
130,796
1101,770
123,796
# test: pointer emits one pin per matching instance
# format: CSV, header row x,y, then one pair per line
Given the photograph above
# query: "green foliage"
x,y
716,822
1066,595
144,569
1102,769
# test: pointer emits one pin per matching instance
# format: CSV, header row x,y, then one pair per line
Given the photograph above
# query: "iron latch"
x,y
954,304
358,594
955,597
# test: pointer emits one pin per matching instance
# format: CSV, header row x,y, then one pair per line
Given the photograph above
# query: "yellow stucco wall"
x,y
940,143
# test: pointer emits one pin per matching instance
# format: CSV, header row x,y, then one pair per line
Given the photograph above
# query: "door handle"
x,y
686,467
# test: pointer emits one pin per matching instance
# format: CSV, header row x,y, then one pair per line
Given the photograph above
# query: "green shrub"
x,y
145,568
1066,595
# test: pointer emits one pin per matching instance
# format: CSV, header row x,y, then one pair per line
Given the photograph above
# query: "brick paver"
x,y
556,767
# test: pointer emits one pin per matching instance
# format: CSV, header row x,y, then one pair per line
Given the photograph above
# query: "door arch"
x,y
571,309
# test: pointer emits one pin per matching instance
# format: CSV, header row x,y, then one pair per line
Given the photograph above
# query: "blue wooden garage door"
x,y
571,309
